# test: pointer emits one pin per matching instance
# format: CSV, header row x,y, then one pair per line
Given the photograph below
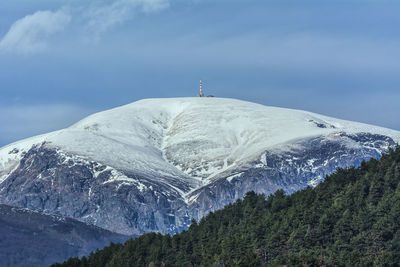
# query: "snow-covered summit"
x,y
154,164
195,140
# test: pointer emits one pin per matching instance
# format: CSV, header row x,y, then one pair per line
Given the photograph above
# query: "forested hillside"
x,y
352,218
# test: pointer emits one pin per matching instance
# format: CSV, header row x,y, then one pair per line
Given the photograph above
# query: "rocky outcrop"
x,y
306,163
52,181
57,182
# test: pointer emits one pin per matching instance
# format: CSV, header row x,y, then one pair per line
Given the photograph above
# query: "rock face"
x,y
48,180
307,165
31,238
155,164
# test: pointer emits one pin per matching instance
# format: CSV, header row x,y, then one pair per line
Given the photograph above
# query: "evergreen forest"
x,y
350,219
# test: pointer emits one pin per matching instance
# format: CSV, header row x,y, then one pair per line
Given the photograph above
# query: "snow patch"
x,y
315,182
122,179
230,178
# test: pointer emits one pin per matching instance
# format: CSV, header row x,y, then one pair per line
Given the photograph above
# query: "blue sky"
x,y
63,60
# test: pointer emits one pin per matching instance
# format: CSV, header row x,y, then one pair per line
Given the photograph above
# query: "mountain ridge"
x,y
162,162
32,238
147,145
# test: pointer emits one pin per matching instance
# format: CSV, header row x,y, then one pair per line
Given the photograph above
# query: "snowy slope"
x,y
155,164
190,139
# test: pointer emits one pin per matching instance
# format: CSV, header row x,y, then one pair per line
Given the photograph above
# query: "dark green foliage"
x,y
352,218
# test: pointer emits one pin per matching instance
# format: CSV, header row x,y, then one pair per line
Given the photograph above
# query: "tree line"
x,y
352,218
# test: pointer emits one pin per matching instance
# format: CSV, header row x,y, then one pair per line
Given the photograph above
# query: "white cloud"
x,y
32,33
102,18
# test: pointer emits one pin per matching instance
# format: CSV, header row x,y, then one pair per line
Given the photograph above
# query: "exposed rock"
x,y
125,202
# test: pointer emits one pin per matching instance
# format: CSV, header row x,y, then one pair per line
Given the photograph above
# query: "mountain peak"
x,y
154,164
194,138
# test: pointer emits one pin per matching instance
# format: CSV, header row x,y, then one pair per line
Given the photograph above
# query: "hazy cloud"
x,y
102,18
31,33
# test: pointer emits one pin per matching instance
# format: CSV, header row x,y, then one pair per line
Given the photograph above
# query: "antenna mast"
x,y
201,89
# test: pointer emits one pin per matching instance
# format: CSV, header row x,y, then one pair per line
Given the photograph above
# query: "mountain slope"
x,y
350,219
31,238
154,164
148,135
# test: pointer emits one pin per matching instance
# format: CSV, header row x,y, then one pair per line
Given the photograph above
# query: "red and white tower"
x,y
201,89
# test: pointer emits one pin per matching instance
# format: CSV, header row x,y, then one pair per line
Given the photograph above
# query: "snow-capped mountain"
x,y
154,164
